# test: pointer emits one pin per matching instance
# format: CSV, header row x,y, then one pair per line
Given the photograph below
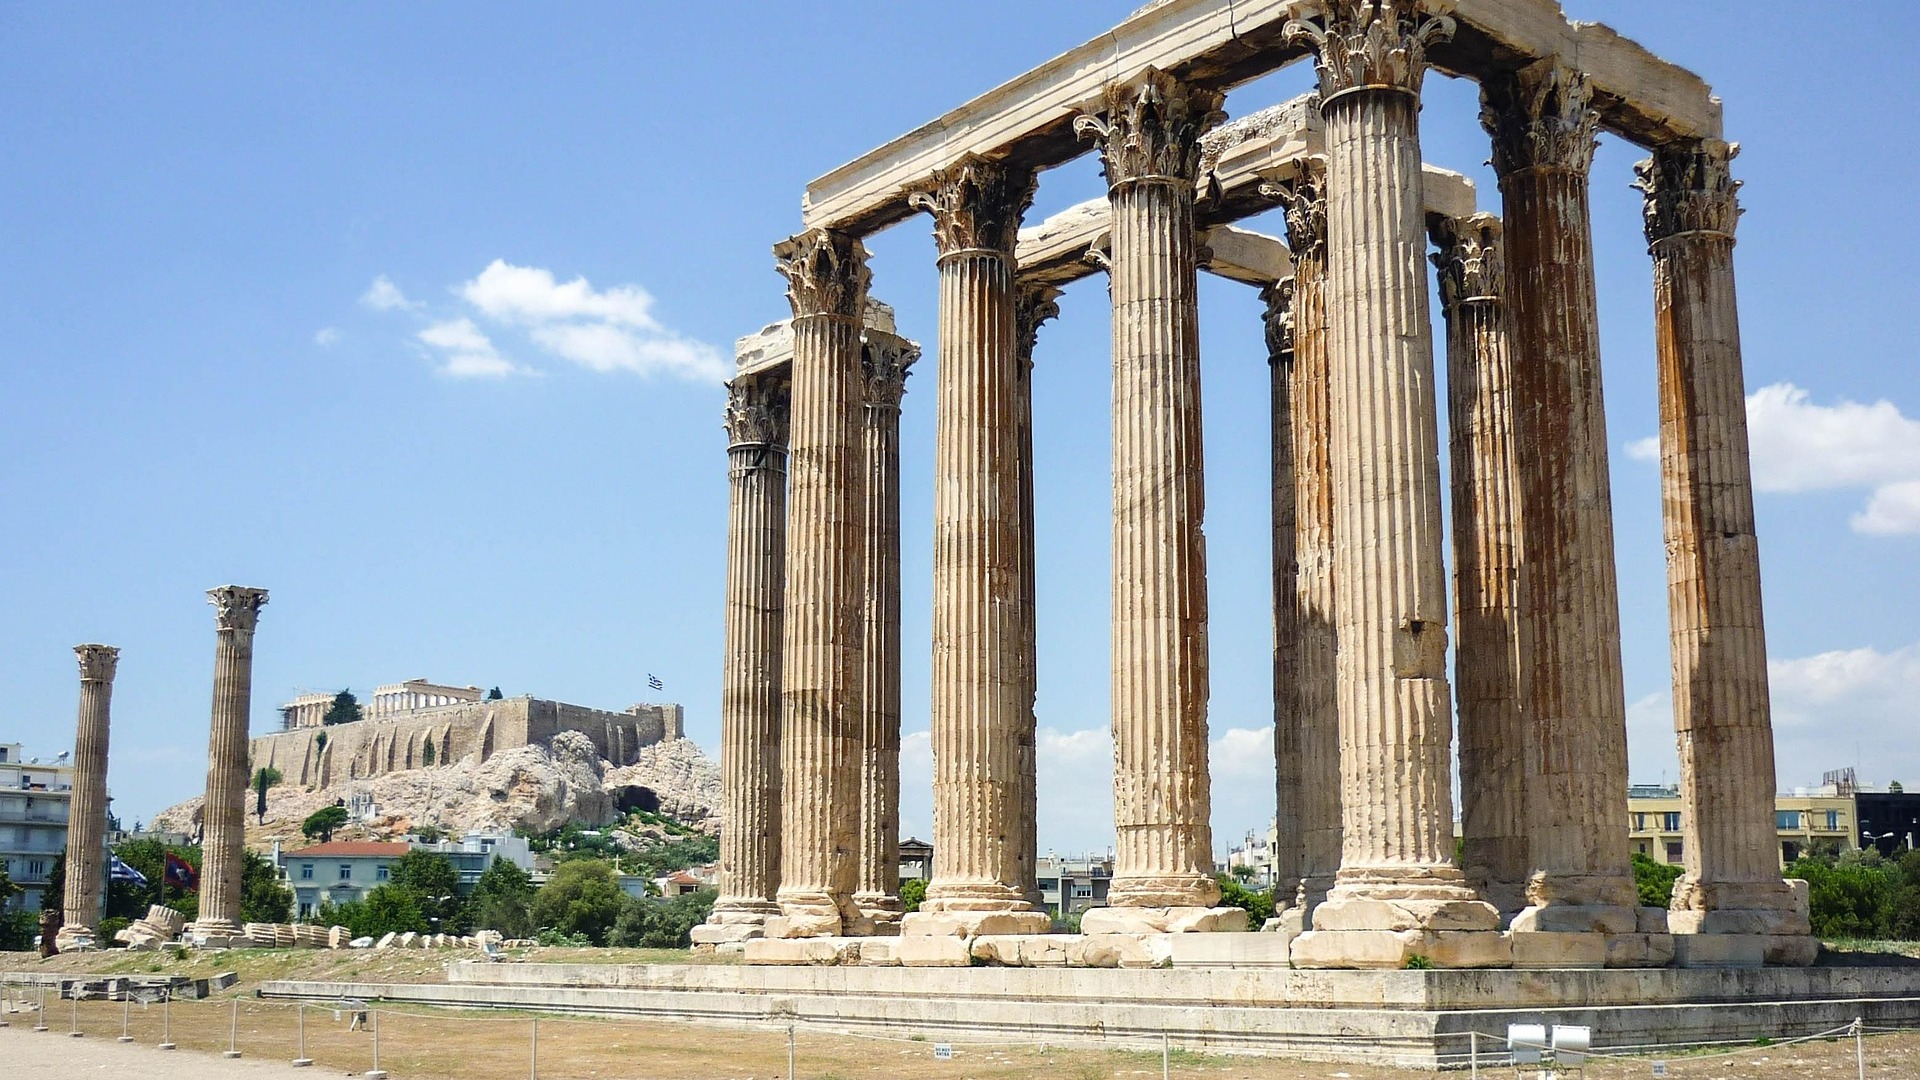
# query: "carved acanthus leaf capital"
x,y
1540,117
1690,189
1036,306
1304,201
237,607
757,410
1470,259
977,205
97,662
886,362
1149,128
826,272
1369,44
1279,320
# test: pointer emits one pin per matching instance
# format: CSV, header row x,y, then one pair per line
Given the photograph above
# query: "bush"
x,y
103,934
652,923
501,900
913,892
1654,881
581,899
262,898
17,929
1852,897
1257,902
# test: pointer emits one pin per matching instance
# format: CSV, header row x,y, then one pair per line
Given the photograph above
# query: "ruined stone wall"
x,y
476,730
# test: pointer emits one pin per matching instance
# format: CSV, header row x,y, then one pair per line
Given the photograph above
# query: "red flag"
x,y
180,873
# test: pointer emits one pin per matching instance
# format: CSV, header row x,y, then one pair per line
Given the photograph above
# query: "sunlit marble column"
x,y
886,363
1035,306
756,421
87,811
1288,847
981,715
1398,893
1731,883
825,606
1486,551
224,814
1149,128
1574,699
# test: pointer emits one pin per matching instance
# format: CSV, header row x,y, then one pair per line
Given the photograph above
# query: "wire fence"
x,y
378,1040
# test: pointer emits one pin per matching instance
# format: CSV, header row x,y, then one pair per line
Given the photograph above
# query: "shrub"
x,y
1258,903
1654,881
581,899
913,892
652,923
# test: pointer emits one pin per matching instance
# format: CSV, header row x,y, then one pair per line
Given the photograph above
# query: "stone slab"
x,y
1639,950
712,934
803,952
1397,949
1545,949
1262,950
932,950
974,923
1719,950
1163,920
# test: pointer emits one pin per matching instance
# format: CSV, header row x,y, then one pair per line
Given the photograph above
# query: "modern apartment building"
x,y
34,798
1806,820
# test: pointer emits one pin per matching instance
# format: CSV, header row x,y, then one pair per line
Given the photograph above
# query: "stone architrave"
x,y
1398,894
756,422
1036,305
1573,695
980,715
1288,854
1314,697
1149,128
1731,883
87,812
825,585
224,814
887,363
1493,781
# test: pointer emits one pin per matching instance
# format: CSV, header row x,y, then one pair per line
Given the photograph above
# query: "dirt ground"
x,y
385,965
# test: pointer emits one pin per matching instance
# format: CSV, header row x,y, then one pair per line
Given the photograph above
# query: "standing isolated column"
x,y
1315,691
1486,549
820,691
1398,894
1731,883
1288,855
1037,304
1544,126
886,363
981,716
756,420
1149,130
224,813
87,813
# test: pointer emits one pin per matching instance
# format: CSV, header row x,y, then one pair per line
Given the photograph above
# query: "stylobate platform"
x,y
1412,1018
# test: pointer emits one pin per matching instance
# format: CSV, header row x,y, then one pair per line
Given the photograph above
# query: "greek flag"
x,y
653,682
119,871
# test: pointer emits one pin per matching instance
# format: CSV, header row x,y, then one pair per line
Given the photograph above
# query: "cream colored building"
x,y
1655,823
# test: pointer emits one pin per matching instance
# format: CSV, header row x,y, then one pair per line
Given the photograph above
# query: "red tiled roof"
x,y
351,847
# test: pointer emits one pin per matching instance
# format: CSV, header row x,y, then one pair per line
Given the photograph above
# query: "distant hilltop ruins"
x,y
417,724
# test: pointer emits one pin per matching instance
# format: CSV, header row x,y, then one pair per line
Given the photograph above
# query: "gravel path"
x,y
49,1055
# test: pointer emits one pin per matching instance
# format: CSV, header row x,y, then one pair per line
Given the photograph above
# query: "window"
x,y
380,873
1833,821
1639,823
306,871
1670,822
346,871
1675,853
1786,820
1082,891
36,868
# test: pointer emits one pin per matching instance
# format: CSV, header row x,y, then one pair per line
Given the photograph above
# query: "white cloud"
x,y
384,295
1801,446
528,294
464,351
326,337
601,330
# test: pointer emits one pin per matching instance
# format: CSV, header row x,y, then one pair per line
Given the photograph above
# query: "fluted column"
x,y
1397,886
886,366
825,612
1574,699
87,812
224,814
1312,698
750,790
1149,132
1288,854
1035,306
1493,782
1731,882
981,717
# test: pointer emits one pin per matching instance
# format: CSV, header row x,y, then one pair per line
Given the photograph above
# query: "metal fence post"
x,y
376,1073
166,1018
1860,1045
300,1025
533,1052
233,1032
6,1003
126,1012
73,1013
790,1053
1473,1053
1166,1058
40,1013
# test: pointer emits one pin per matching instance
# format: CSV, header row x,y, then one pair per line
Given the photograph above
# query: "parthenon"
x,y
1363,699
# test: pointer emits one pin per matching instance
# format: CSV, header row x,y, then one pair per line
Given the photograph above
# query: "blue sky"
x,y
293,297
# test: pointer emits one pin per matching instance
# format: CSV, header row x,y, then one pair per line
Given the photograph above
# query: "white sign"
x,y
942,1052
1659,1068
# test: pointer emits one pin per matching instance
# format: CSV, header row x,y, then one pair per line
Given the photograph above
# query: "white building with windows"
x,y
34,798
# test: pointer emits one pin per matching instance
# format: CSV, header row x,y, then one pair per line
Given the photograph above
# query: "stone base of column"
x,y
73,938
1744,950
735,920
1769,919
1570,904
213,934
879,911
1168,891
972,909
1163,920
808,915
1394,949
1391,917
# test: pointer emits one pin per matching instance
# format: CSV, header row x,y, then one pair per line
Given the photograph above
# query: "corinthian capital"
x,y
236,607
1690,189
97,662
977,205
1368,44
1540,117
1149,128
1472,267
826,273
886,361
1279,321
1036,306
757,410
1304,201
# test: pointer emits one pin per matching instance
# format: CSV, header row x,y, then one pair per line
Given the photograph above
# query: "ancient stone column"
x,y
1398,893
1732,882
1314,698
1574,698
886,365
87,812
1486,551
756,420
1289,847
825,604
1149,131
224,815
981,717
1036,305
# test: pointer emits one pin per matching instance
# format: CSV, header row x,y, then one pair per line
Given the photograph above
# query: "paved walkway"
x,y
49,1055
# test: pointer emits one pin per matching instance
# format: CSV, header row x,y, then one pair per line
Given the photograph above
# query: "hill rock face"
x,y
535,789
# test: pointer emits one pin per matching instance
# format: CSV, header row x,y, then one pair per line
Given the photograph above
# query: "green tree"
x,y
321,823
266,775
262,897
913,892
319,741
1654,881
435,884
1894,788
581,898
1257,902
385,910
427,754
7,888
502,900
55,893
1853,897
344,710
651,923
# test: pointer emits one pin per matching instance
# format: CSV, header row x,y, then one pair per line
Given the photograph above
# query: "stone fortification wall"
x,y
470,730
